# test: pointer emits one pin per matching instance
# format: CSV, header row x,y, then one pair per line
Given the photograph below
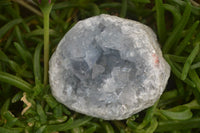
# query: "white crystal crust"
x,y
108,67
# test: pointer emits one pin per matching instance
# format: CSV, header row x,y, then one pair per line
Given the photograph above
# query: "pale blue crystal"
x,y
108,67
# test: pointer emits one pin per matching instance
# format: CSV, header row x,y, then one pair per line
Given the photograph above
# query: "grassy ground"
x,y
26,103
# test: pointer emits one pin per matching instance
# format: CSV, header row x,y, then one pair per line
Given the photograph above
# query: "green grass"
x,y
26,103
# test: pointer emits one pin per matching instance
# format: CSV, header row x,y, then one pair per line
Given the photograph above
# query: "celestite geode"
x,y
108,67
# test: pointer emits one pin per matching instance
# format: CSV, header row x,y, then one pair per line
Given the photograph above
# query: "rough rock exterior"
x,y
108,67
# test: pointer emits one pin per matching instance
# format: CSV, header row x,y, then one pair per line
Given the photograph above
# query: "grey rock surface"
x,y
108,67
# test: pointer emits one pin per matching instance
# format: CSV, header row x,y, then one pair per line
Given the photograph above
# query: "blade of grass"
x,y
25,26
171,125
123,9
181,59
17,97
50,101
133,127
192,105
90,130
14,66
95,9
160,19
196,65
108,127
175,12
180,87
169,95
41,129
10,119
195,10
11,130
189,61
20,70
168,98
181,113
194,89
3,57
41,113
197,38
5,107
36,62
78,123
77,130
195,78
148,117
39,32
9,25
176,58
25,54
177,72
186,39
57,111
196,93
15,81
19,36
176,34
58,120
8,42
153,126
131,124
70,124
66,111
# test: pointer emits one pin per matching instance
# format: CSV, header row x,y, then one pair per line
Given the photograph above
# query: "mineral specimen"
x,y
108,67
